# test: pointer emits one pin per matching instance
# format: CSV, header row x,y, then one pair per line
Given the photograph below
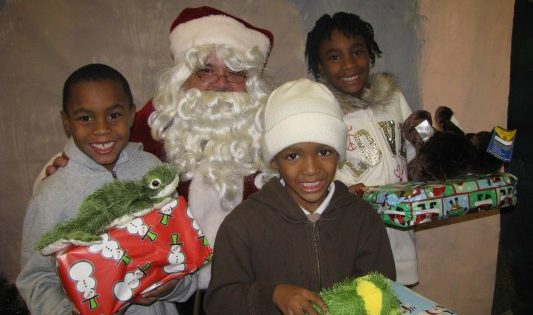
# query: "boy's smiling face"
x,y
344,62
99,116
308,169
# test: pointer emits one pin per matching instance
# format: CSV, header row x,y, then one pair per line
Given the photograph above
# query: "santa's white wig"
x,y
213,134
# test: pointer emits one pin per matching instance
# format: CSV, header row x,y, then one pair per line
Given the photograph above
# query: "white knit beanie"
x,y
303,111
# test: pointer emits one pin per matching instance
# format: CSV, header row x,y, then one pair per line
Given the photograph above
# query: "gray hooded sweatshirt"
x,y
57,199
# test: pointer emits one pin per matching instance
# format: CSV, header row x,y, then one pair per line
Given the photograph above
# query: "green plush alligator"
x,y
113,204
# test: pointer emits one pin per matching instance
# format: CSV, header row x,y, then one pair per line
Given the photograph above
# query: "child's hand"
x,y
151,296
357,189
60,161
294,300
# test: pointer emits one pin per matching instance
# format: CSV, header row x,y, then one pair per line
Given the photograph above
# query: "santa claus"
x,y
204,116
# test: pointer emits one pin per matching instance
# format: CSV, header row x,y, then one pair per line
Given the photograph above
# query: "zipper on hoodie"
x,y
114,174
316,238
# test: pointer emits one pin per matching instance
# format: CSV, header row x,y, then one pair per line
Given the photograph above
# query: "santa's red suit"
x,y
140,132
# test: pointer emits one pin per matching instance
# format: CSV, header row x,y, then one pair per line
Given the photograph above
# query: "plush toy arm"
x,y
445,121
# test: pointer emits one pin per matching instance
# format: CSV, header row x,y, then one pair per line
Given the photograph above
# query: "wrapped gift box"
x,y
408,204
134,258
416,304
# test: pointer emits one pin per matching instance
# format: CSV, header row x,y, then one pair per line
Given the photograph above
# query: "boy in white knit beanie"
x,y
302,231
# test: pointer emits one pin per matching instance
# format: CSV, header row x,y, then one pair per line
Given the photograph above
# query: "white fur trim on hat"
x,y
216,29
303,111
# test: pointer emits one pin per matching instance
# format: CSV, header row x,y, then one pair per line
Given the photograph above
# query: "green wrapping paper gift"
x,y
405,205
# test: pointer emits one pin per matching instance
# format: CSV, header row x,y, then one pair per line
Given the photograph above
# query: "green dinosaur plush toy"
x,y
113,204
367,295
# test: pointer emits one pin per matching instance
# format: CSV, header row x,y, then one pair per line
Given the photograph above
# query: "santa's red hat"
x,y
205,25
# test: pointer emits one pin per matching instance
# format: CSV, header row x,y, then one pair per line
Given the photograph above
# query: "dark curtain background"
x,y
513,293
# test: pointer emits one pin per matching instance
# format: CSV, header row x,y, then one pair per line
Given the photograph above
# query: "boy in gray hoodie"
x,y
98,112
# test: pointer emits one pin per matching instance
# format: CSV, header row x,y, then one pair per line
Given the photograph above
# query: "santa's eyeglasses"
x,y
209,76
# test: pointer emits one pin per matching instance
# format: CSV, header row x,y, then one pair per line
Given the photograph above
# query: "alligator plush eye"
x,y
155,184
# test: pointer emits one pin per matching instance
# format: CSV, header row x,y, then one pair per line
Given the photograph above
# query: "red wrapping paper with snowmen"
x,y
164,244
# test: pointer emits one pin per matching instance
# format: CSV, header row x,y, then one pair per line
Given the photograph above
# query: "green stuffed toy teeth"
x,y
113,204
367,295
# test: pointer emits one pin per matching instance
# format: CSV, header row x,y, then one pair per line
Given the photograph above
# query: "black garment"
x,y
514,280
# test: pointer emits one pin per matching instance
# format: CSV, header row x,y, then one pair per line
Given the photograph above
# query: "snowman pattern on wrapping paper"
x,y
167,210
110,249
81,272
123,290
137,226
176,258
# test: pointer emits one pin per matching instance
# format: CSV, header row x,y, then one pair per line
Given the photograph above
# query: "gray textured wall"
x,y
42,42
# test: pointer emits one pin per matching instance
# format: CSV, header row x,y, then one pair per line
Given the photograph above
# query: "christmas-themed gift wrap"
x,y
136,257
408,204
413,303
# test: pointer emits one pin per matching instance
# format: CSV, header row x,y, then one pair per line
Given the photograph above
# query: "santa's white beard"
x,y
214,135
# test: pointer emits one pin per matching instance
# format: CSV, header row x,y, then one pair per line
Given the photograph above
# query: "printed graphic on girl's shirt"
x,y
367,149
